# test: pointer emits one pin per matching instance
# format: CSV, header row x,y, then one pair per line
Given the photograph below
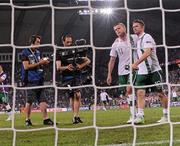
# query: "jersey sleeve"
x,y
58,56
24,56
113,52
148,42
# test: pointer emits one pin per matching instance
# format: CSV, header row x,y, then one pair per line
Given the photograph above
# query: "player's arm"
x,y
147,52
61,68
110,69
27,65
2,78
86,61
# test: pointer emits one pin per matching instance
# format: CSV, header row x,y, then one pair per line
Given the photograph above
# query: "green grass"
x,y
86,137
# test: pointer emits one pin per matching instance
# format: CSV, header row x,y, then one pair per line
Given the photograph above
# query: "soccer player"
x,y
149,70
32,75
104,97
121,49
4,94
71,73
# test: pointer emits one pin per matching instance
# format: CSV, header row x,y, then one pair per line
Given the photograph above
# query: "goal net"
x,y
90,22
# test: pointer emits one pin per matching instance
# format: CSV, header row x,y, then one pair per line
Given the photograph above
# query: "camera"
x,y
50,57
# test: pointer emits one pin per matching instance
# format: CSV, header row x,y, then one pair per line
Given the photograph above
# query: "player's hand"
x,y
44,61
109,80
70,67
134,66
78,67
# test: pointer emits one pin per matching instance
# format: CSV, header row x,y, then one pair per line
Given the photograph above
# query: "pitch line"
x,y
145,143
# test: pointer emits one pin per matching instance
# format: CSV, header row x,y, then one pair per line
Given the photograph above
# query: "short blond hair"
x,y
122,24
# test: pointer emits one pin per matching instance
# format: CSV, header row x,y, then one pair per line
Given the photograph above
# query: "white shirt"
x,y
151,64
174,94
121,49
103,96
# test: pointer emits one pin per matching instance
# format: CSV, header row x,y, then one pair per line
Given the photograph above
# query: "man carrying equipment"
x,y
69,64
32,75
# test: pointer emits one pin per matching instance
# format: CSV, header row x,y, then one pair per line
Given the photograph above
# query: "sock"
x,y
131,107
140,112
165,112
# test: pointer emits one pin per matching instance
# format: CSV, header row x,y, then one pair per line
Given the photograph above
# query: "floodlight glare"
x,y
105,11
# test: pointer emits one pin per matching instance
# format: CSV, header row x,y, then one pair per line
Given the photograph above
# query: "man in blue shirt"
x,y
32,75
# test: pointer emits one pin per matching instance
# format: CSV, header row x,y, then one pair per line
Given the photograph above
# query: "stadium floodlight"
x,y
106,11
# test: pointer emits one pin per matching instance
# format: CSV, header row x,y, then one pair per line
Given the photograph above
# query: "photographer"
x,y
33,75
69,64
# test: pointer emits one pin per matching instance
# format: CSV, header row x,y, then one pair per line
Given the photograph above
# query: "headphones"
x,y
33,38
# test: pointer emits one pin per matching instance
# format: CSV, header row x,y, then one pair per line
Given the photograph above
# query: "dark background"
x,y
39,21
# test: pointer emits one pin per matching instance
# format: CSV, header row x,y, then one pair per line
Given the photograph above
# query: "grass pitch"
x,y
118,132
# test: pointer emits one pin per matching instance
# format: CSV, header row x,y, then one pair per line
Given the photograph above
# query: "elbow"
x,y
88,61
58,68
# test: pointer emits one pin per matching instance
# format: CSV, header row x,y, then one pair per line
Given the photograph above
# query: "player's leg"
x,y
104,105
124,79
141,104
30,94
77,103
28,113
157,78
164,100
141,92
43,106
8,111
5,100
130,103
72,99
